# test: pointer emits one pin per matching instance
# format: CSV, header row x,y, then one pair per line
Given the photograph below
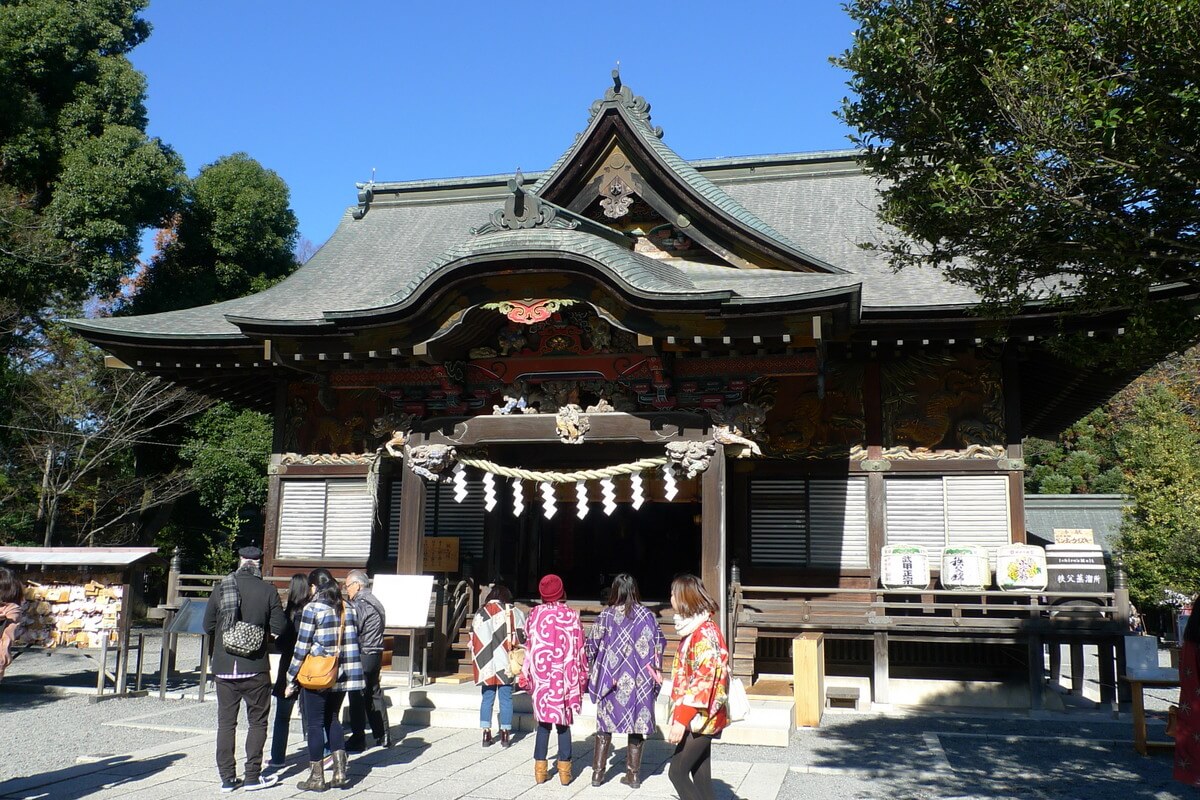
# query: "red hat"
x,y
551,589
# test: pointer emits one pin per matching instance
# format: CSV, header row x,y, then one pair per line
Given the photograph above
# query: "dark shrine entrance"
x,y
654,543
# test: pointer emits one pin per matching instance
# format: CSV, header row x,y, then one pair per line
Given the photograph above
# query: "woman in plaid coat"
x,y
324,616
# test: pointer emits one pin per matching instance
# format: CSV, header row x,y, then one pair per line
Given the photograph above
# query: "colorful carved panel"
x,y
328,420
803,424
948,401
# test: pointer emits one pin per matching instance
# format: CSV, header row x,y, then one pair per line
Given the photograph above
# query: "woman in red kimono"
x,y
699,689
555,674
1187,728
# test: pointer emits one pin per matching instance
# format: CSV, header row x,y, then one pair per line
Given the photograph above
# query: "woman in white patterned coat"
x,y
496,628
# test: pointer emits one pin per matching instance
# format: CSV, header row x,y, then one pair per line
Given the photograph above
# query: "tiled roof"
x,y
1100,512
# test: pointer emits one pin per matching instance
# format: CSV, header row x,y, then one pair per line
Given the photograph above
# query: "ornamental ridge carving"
x,y
617,200
524,210
635,105
740,424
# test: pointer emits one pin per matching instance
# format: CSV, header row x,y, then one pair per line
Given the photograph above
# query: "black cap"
x,y
253,553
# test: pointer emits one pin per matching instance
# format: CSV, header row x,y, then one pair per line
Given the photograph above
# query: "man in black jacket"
x,y
243,597
370,702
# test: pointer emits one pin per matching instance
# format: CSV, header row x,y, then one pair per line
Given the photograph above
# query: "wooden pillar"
x,y
1036,672
411,551
1055,661
1014,449
1077,668
1106,657
712,533
274,490
876,526
880,692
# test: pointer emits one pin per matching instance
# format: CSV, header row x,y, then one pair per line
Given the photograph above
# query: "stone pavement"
x,y
429,763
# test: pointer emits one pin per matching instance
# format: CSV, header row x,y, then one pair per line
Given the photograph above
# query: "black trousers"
x,y
541,741
369,705
255,692
691,767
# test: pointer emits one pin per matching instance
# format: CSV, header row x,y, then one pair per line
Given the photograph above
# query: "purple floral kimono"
x,y
622,652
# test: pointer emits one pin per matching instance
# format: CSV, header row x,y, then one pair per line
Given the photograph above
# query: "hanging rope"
x,y
631,468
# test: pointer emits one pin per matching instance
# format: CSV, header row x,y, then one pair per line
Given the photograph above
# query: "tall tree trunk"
x,y
51,517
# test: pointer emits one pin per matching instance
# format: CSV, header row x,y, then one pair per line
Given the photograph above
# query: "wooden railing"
x,y
800,607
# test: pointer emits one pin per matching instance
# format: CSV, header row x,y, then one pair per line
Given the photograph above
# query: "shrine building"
x,y
632,362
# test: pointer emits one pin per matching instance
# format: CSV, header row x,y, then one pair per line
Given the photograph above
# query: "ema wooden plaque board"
x,y
405,599
441,554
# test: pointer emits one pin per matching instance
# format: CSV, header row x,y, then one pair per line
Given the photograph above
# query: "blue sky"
x,y
324,92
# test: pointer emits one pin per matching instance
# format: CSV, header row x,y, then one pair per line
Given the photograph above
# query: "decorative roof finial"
x,y
634,104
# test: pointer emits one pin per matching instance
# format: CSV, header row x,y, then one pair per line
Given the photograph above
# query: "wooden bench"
x,y
1138,686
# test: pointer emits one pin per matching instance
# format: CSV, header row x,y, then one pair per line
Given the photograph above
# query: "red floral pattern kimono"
x,y
1187,729
555,671
700,681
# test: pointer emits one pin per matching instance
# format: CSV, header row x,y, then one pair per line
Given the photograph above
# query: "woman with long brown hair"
x,y
699,689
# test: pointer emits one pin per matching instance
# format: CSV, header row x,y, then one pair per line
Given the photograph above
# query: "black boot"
x,y
633,763
505,738
487,737
600,757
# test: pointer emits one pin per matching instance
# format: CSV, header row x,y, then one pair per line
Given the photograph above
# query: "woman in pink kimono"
x,y
555,674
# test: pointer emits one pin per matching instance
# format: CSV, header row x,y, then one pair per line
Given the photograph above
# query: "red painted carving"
x,y
743,367
529,313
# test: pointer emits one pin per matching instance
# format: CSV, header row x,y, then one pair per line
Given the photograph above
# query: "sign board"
x,y
190,617
905,566
1074,536
1021,568
966,567
1076,568
441,554
405,599
1141,659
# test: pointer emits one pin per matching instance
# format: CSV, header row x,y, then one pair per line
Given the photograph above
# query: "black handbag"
x,y
244,639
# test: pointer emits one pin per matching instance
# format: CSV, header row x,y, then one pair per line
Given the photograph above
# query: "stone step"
x,y
770,722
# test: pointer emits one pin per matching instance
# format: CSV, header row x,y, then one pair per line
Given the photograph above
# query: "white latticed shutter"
x,y
444,517
837,522
778,521
977,511
916,513
348,512
301,519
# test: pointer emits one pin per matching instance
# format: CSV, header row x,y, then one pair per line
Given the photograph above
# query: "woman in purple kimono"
x,y
625,650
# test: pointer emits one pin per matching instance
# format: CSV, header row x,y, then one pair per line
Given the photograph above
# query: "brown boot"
x,y
564,772
633,764
338,780
541,770
315,782
600,757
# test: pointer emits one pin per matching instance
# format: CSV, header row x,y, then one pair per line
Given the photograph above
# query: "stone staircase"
x,y
445,705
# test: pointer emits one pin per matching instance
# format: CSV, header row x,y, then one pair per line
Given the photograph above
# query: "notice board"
x,y
405,599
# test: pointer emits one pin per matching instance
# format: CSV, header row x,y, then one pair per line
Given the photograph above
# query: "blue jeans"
x,y
323,721
283,720
541,741
485,706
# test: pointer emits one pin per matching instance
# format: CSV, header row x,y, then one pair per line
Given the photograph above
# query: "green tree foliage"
x,y
234,235
1082,461
1038,150
79,177
228,449
1160,455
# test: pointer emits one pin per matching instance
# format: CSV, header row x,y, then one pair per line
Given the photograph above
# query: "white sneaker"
x,y
263,782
